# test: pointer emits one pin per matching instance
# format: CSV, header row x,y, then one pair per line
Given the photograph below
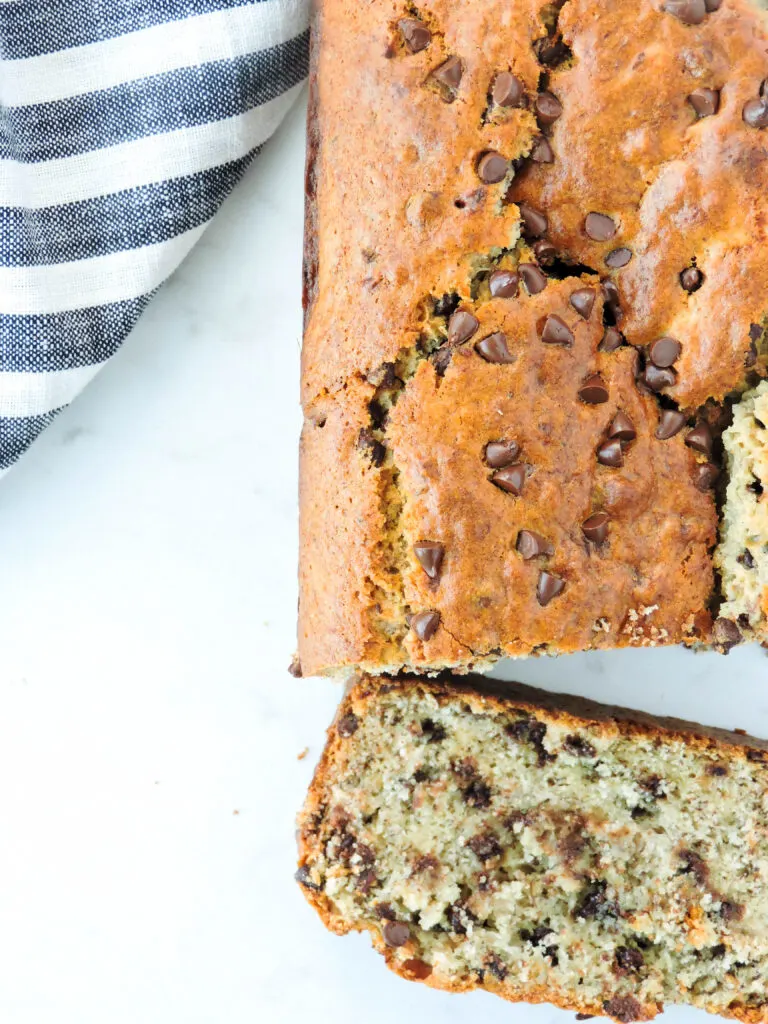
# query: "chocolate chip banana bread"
x,y
535,270
545,848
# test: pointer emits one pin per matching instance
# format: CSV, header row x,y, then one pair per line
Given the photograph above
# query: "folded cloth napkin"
x,y
123,125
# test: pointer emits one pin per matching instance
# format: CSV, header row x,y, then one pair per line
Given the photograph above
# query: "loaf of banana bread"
x,y
535,270
545,848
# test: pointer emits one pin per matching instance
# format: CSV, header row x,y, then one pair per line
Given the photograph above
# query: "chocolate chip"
x,y
534,222
755,113
611,340
384,912
610,454
691,279
705,474
671,422
507,90
542,152
755,332
746,558
585,1016
461,326
551,51
485,847
547,108
700,438
755,487
718,770
664,351
713,5
622,427
503,284
530,544
417,969
618,258
593,391
449,73
501,453
446,305
510,479
375,450
599,227
695,865
533,279
495,965
733,911
611,298
295,667
396,933
656,378
415,33
628,959
555,331
424,624
477,794
430,555
705,102
583,301
493,349
347,725
303,878
690,12
548,586
433,730
726,634
544,251
441,360
578,746
626,1008
595,903
492,167
596,527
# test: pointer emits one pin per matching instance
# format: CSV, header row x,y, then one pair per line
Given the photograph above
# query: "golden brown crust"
x,y
488,696
383,247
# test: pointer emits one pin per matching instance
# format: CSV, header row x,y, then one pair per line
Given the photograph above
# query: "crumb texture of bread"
x,y
742,556
530,282
609,866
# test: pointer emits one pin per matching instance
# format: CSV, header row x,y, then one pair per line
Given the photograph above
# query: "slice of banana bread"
x,y
545,848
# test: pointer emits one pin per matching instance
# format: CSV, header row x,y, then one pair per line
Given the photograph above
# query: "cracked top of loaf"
x,y
534,265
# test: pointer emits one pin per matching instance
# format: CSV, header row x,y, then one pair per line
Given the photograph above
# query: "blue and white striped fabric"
x,y
123,125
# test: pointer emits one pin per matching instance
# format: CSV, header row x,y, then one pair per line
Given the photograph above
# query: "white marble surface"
x,y
149,732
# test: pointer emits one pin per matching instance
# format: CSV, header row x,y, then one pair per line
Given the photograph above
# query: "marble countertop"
x,y
149,733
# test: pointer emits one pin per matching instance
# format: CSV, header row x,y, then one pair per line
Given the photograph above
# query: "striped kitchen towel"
x,y
123,125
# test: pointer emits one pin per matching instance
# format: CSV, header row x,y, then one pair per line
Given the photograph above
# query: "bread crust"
x,y
485,696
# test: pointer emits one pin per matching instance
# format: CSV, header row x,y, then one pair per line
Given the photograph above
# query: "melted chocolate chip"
x,y
726,635
611,340
628,959
746,558
583,301
555,331
507,90
690,12
477,794
534,222
578,746
656,378
548,587
617,258
547,108
434,731
416,35
542,152
700,438
531,545
625,1008
303,878
691,279
610,454
695,865
705,102
493,349
495,965
530,730
731,911
430,555
664,351
755,113
417,969
596,904
717,770
611,298
396,933
533,279
374,449
458,918
705,475
599,227
510,479
485,847
593,391
503,284
622,427
671,422
596,527
501,453
461,326
449,73
295,667
492,167
424,624
347,725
